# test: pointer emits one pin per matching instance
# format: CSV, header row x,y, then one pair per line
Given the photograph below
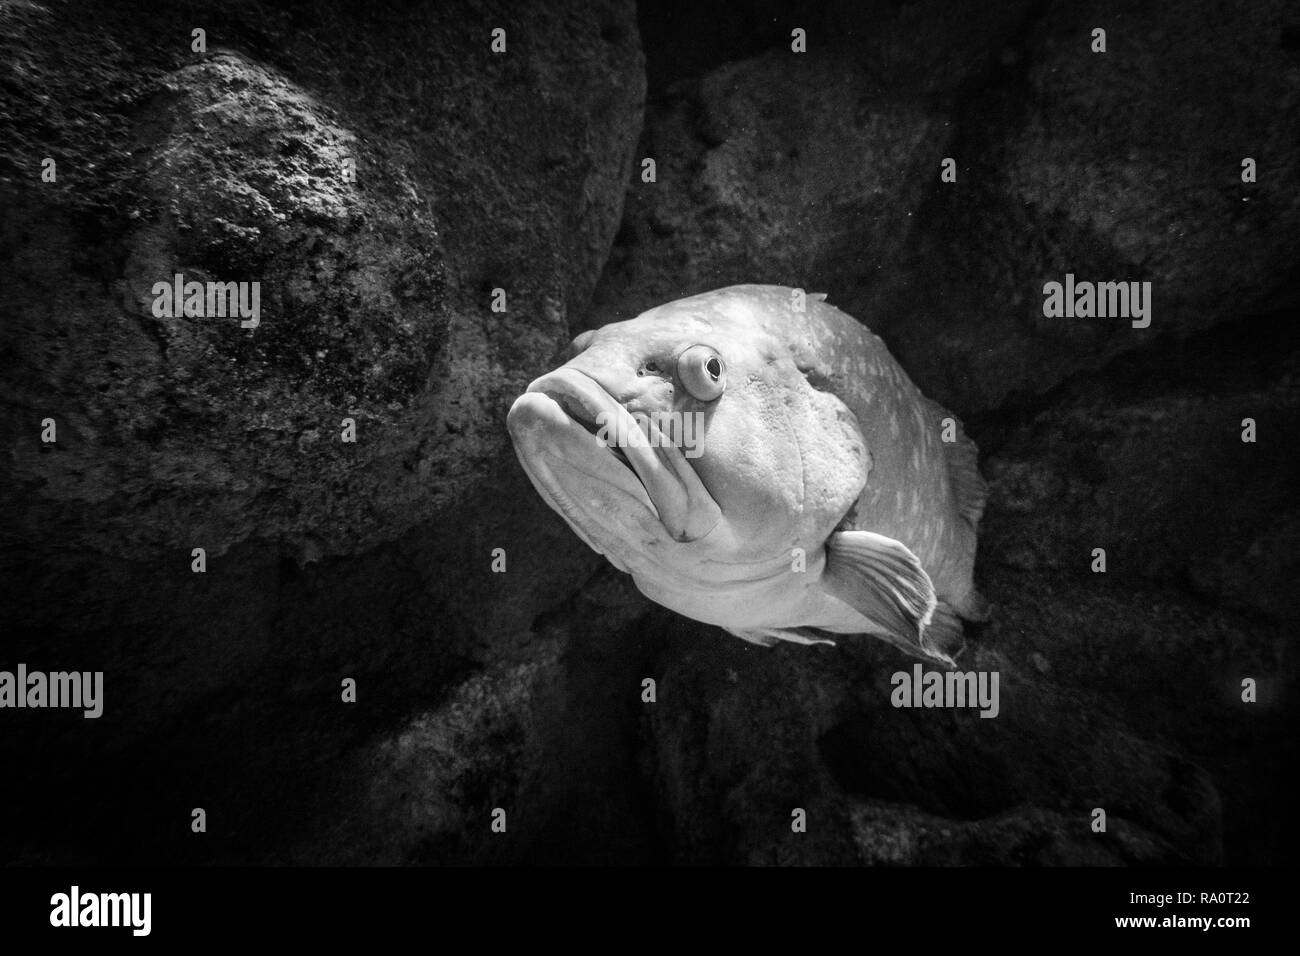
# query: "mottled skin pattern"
x,y
908,495
818,431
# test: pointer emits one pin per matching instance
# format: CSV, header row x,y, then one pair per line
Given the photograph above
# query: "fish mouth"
x,y
569,416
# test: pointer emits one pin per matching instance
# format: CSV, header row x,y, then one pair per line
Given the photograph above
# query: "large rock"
x,y
474,171
548,739
375,294
822,170
752,182
743,736
1161,478
1124,165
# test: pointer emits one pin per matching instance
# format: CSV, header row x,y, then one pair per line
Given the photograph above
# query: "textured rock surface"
x,y
1159,476
823,172
472,172
743,738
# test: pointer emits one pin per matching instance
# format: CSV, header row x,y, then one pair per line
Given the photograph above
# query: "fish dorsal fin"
x,y
884,582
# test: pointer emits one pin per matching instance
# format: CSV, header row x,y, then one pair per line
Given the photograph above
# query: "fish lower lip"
x,y
622,459
618,453
579,413
685,507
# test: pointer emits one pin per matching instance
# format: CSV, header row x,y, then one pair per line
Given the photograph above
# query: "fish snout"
x,y
567,398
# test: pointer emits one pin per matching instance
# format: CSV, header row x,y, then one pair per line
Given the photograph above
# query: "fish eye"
x,y
702,372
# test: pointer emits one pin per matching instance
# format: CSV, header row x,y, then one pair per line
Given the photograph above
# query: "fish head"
x,y
689,443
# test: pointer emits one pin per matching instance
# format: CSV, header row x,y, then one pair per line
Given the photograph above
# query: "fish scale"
x,y
905,461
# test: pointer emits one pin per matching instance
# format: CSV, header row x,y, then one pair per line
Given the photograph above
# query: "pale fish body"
x,y
817,493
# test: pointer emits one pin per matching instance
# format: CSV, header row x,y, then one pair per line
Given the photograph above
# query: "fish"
x,y
756,459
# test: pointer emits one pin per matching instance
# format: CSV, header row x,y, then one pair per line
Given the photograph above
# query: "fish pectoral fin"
x,y
882,580
944,637
769,636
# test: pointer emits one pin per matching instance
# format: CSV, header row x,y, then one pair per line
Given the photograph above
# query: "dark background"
x,y
522,171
